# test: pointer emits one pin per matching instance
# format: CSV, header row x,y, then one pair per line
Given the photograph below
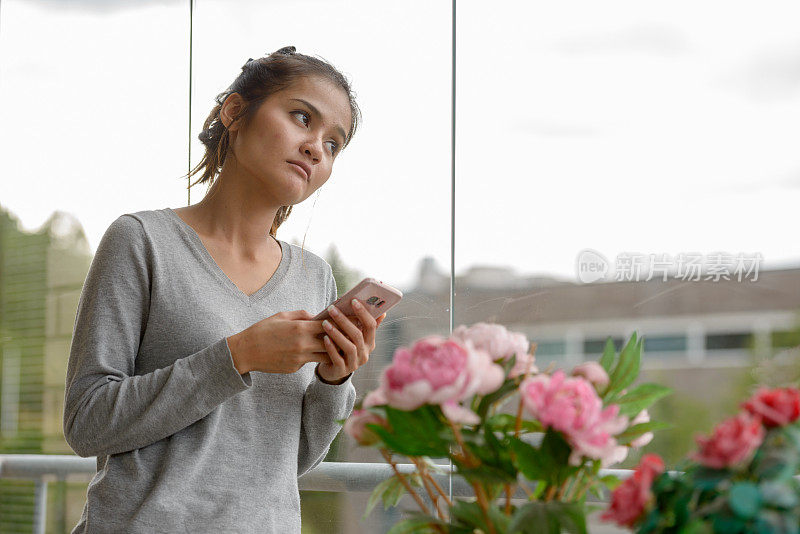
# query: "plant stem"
x,y
508,499
526,489
428,482
465,456
438,488
405,482
551,492
484,504
518,424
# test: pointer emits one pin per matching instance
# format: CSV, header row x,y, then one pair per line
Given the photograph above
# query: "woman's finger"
x,y
341,341
368,324
346,326
337,362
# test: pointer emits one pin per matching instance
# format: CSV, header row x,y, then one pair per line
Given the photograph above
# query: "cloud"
x,y
100,6
768,76
645,38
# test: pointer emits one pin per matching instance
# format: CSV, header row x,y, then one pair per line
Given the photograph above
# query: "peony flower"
x,y
776,407
631,498
594,373
647,437
733,441
437,370
572,406
374,398
499,343
356,426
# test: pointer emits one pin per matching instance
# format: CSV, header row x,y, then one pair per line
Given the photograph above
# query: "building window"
x,y
740,340
551,349
596,346
665,343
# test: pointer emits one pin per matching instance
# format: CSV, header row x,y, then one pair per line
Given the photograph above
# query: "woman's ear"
x,y
230,110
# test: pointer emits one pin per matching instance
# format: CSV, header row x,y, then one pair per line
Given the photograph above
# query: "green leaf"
x,y
777,458
627,368
529,460
413,433
697,526
378,493
552,517
609,353
506,423
640,398
775,522
392,495
778,494
416,525
509,386
556,451
509,364
707,478
745,499
549,462
633,432
610,481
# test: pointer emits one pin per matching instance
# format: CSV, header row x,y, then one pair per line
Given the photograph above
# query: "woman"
x,y
202,412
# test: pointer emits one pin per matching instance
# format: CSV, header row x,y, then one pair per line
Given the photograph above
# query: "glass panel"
x,y
96,120
384,213
665,344
622,167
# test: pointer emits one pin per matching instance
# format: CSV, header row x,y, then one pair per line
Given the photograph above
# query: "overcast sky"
x,y
616,126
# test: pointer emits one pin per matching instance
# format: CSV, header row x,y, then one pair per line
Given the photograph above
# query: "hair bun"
x,y
286,50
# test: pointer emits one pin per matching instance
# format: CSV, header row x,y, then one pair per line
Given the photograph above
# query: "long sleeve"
x,y
109,409
323,406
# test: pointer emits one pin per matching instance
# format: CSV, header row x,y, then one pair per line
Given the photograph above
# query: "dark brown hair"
x,y
259,79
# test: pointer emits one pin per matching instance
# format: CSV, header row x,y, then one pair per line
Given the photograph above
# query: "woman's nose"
x,y
313,148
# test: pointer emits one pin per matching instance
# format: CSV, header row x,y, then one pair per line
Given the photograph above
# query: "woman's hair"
x,y
259,79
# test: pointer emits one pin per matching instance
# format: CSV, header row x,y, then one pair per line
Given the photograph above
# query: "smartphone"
x,y
376,297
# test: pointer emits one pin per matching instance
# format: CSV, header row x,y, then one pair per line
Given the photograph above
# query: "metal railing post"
x,y
40,507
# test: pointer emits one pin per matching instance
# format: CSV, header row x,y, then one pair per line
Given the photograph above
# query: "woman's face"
x,y
302,126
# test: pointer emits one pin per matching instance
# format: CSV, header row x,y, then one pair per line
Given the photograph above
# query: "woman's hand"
x,y
348,345
284,342
281,343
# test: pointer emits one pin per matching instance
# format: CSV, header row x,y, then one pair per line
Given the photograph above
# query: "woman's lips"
x,y
300,168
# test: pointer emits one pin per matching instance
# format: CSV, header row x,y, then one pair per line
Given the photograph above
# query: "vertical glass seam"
x,y
189,136
452,201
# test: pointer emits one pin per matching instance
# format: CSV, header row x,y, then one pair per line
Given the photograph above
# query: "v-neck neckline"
x,y
264,290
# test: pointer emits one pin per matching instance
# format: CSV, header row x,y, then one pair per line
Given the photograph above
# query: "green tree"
x,y
346,277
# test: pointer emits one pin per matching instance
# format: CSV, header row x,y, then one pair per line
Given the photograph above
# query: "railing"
x,y
327,476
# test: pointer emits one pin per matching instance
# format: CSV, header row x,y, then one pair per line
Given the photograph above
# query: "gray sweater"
x,y
184,443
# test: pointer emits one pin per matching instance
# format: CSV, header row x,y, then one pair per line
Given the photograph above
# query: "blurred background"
x,y
620,166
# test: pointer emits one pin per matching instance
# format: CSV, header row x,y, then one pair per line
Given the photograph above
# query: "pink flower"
x,y
776,407
374,398
632,497
356,426
499,343
594,373
647,437
572,406
733,441
437,370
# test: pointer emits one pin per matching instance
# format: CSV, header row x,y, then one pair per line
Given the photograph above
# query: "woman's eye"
x,y
306,119
304,114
